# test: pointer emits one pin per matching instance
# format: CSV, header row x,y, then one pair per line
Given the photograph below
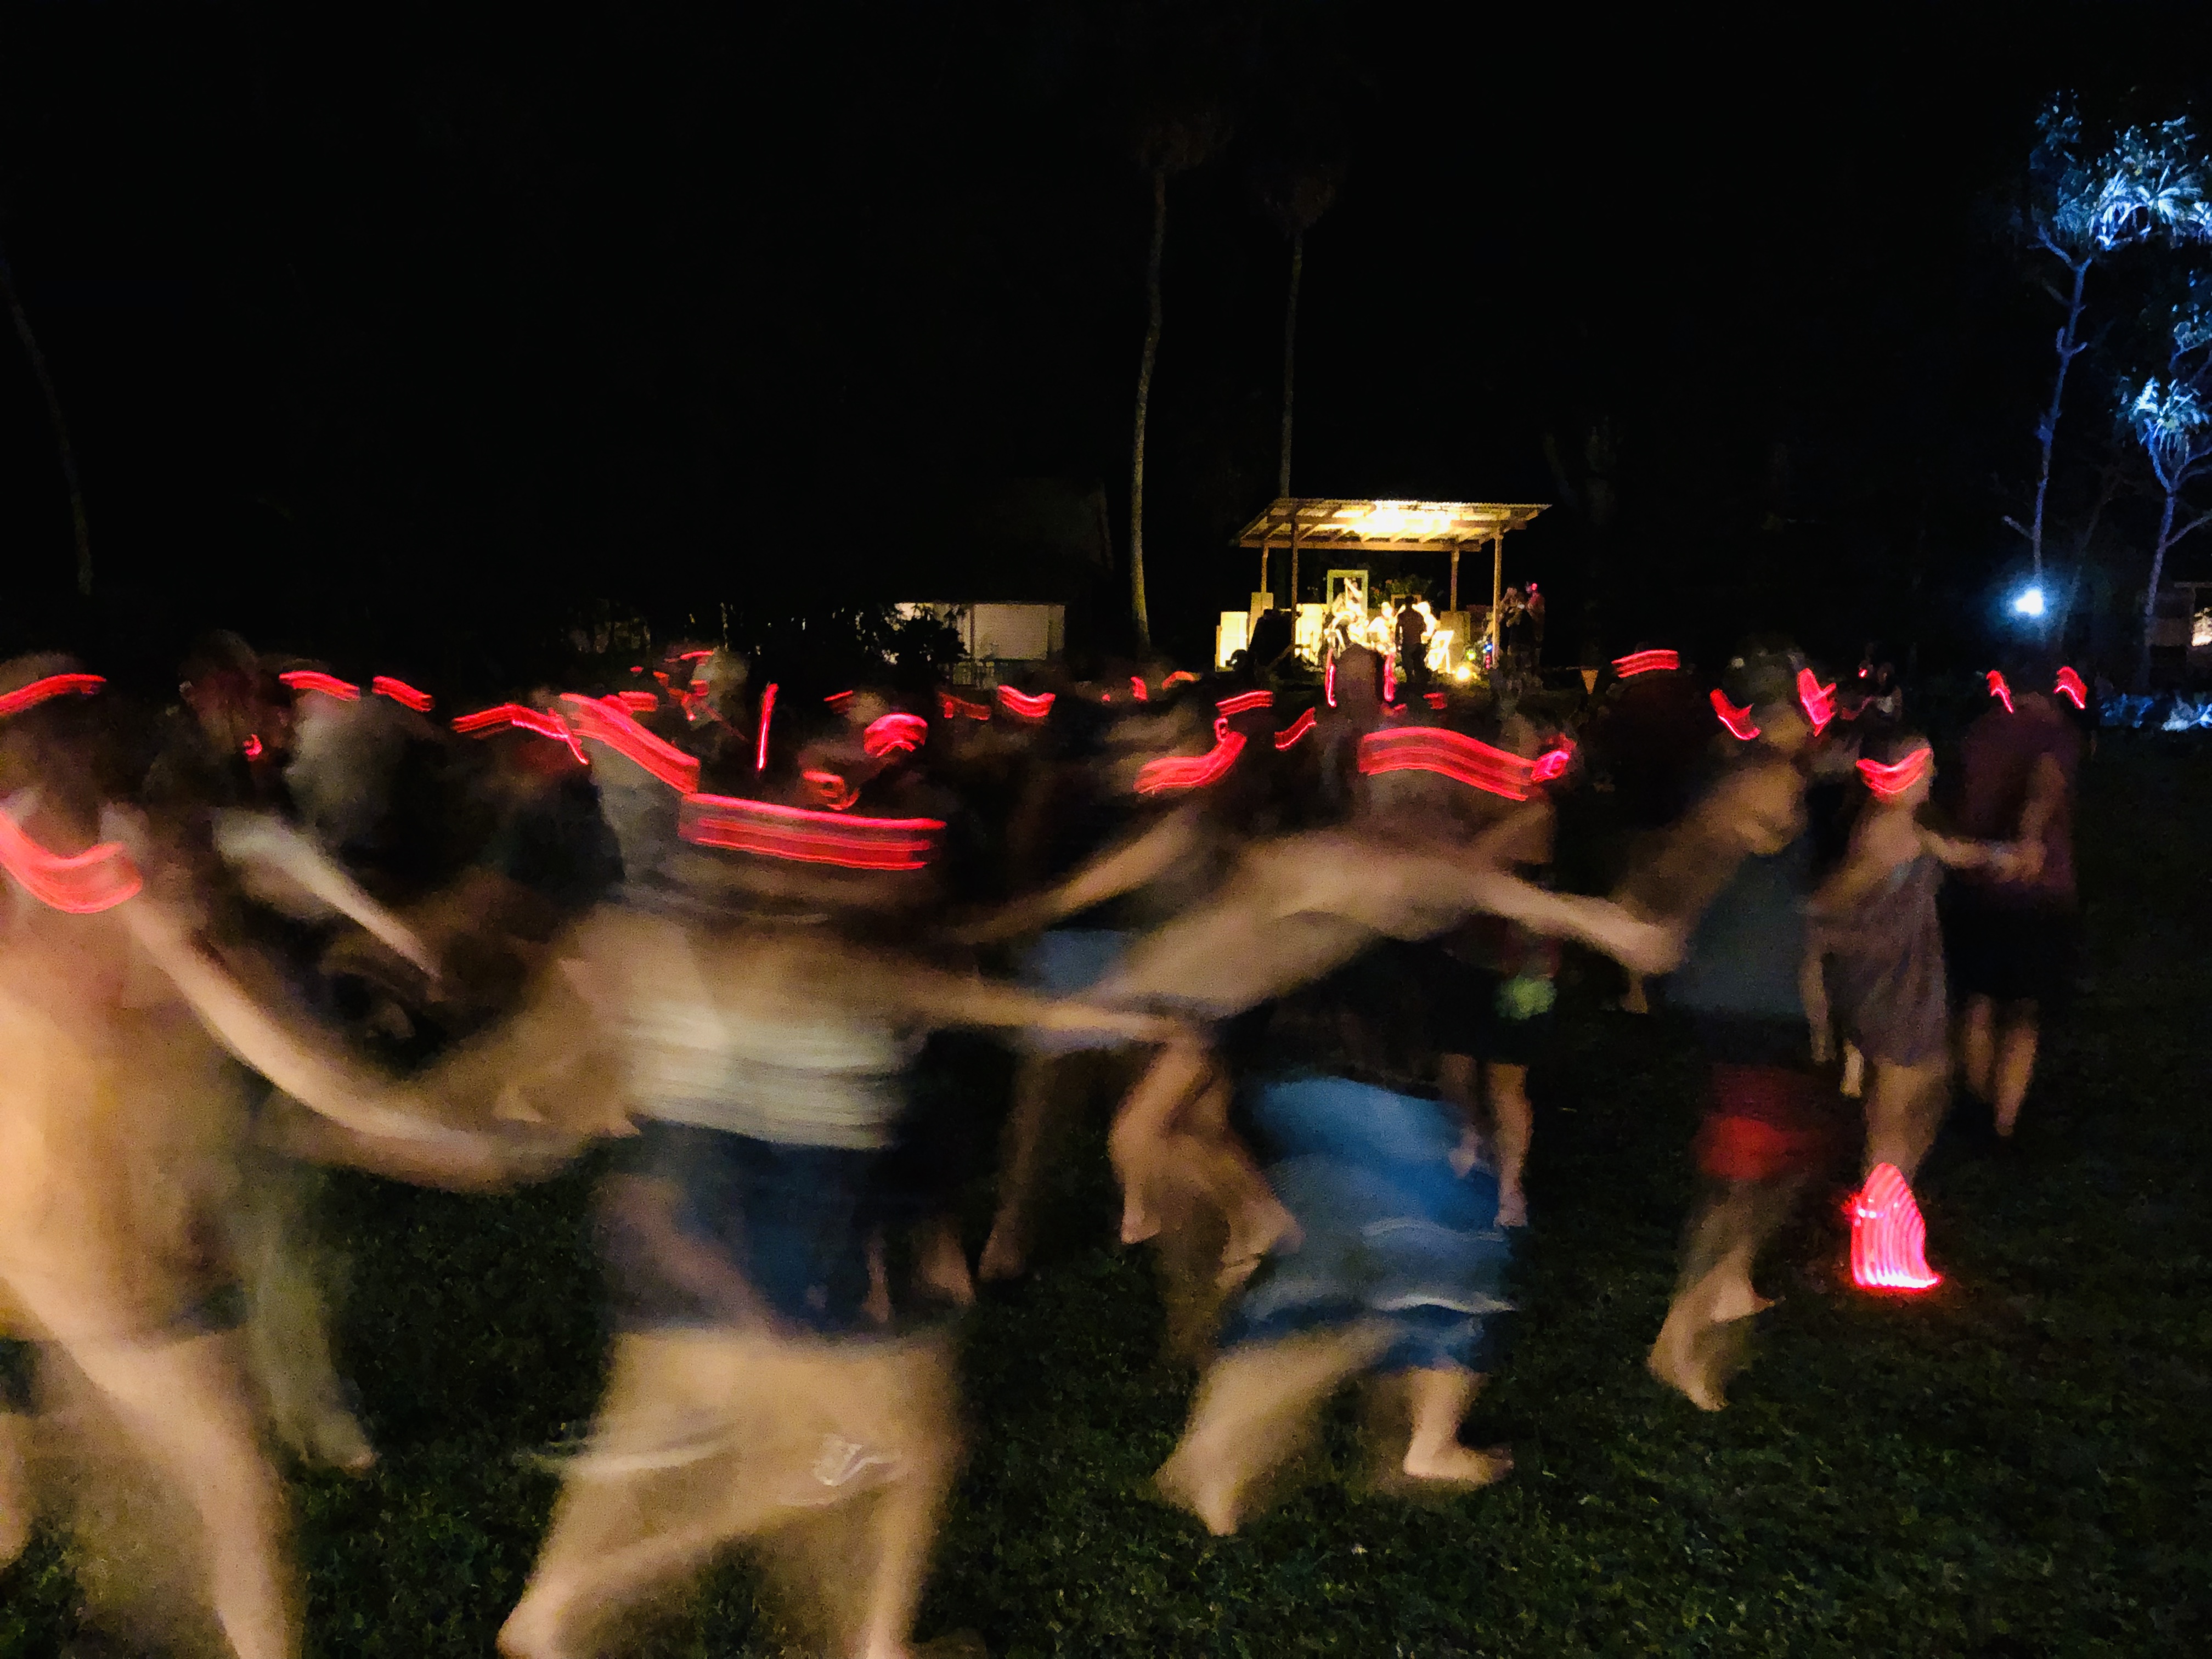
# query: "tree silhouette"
x,y
61,445
2172,423
1166,144
1296,198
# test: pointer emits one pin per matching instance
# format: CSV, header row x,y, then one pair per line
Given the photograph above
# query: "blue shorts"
x,y
1063,963
1390,1233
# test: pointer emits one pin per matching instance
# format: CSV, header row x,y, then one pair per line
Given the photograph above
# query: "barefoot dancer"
x,y
1743,983
768,1030
1877,930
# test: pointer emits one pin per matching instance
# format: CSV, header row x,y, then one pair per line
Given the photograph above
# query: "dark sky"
x,y
387,330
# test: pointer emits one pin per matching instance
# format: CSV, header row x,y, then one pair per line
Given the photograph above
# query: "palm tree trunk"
x,y
2047,432
62,444
1144,398
1290,361
2150,598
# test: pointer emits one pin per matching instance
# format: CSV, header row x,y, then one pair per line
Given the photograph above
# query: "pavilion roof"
x,y
1384,527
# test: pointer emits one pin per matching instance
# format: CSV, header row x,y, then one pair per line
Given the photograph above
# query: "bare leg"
x,y
1253,1408
1634,1000
1513,1126
944,1264
1977,1048
1455,1075
2015,1064
1903,1109
1140,1133
16,1508
1724,1239
288,1322
1021,1174
1151,1151
1440,1399
183,1404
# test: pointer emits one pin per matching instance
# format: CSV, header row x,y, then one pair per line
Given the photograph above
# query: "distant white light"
x,y
2029,603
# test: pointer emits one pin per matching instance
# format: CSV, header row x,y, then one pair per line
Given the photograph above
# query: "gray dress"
x,y
1885,967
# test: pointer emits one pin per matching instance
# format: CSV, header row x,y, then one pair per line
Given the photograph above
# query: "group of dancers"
x,y
1300,942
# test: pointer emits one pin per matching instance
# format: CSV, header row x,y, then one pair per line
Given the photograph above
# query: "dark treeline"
x,y
417,332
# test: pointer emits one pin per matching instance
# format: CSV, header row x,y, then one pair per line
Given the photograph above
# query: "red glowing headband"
x,y
400,692
1738,721
53,685
638,702
1193,771
1818,699
306,679
953,705
1999,689
1645,662
545,723
1180,677
99,879
1328,681
693,656
1448,754
1888,782
1553,763
890,734
2070,686
1028,706
1245,700
838,699
830,788
808,837
1296,729
252,747
1137,688
1434,699
605,720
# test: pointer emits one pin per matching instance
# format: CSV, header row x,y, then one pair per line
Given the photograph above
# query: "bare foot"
x,y
1138,1222
1260,1227
1675,1363
1003,1257
943,1267
1739,1300
1513,1209
1211,1502
1459,1465
532,1630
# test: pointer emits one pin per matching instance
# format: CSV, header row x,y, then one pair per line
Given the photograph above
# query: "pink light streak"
x,y
1818,699
1999,689
1889,1238
760,745
1244,701
542,722
1738,721
1028,706
307,679
1296,729
1193,771
604,721
1645,662
802,836
1448,754
1888,782
54,685
2069,687
400,692
99,879
893,734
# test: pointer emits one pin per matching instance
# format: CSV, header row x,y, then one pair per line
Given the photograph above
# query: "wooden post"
x,y
1454,605
1263,567
1294,572
1497,594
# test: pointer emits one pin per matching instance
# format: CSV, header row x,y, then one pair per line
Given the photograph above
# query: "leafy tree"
x,y
2171,421
2147,185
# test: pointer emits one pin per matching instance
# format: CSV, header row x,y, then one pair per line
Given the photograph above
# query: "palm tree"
x,y
1297,200
1166,144
68,452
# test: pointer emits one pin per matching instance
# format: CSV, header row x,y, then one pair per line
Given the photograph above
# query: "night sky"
x,y
398,330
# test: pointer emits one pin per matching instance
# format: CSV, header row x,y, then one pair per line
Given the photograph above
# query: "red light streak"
x,y
1029,707
99,879
1328,681
1738,721
53,685
306,679
831,789
807,837
1449,753
1193,771
604,721
693,656
1889,1239
1137,688
1888,782
400,692
1389,679
1180,677
1818,699
1246,700
252,747
1434,699
638,702
760,748
1553,763
541,722
2070,686
1999,689
1296,729
892,734
838,699
1645,662
975,711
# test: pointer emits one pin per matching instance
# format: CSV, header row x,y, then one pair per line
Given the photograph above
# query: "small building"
x,y
997,639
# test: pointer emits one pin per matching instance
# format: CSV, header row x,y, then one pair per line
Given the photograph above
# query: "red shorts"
x,y
1762,1122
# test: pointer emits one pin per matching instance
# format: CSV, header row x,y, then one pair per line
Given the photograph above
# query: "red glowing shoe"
x,y
1889,1241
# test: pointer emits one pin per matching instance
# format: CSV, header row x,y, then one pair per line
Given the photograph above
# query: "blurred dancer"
x,y
769,1017
1742,863
2013,931
1880,941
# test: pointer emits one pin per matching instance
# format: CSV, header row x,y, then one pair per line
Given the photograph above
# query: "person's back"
x,y
1999,760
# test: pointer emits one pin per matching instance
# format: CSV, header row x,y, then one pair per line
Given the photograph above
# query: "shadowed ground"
x,y
2013,1465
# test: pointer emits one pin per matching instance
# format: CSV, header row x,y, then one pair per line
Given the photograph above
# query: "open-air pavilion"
x,y
1300,525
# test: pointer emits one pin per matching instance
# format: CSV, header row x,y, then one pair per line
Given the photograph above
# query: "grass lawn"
x,y
2015,1464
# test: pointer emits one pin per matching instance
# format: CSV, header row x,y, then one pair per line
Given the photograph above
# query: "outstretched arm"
x,y
1119,870
257,842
